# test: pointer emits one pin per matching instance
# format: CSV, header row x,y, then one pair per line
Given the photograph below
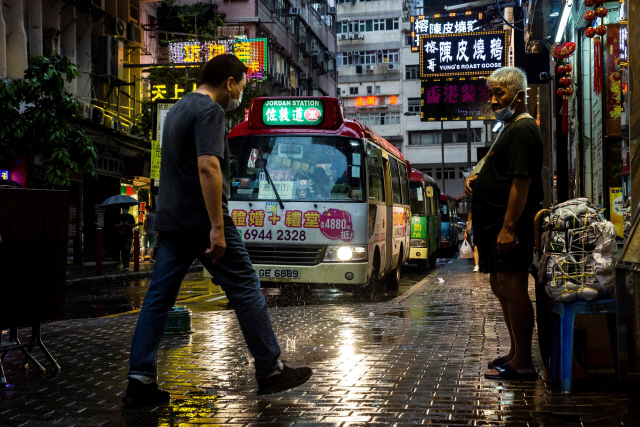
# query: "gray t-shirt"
x,y
195,126
150,219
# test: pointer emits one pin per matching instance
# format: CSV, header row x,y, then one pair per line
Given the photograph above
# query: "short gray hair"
x,y
513,78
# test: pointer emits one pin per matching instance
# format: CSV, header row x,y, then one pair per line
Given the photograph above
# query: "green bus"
x,y
425,218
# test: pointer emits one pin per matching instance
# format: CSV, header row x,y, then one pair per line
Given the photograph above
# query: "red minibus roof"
x,y
445,197
333,123
418,176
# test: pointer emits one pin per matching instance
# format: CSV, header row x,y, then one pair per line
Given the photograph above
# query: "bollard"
x,y
179,321
98,251
136,250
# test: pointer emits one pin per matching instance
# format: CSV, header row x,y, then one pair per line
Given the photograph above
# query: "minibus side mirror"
x,y
375,154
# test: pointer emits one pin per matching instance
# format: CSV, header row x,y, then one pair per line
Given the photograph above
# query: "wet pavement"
x,y
417,358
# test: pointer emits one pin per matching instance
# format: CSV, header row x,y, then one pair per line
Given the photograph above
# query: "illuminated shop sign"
x,y
624,46
293,112
253,52
452,99
453,23
4,175
463,54
372,101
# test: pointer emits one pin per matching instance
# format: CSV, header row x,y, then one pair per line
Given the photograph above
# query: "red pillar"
x,y
136,250
98,251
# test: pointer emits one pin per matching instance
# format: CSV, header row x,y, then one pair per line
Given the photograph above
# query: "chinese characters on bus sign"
x,y
253,52
292,112
455,23
455,99
462,54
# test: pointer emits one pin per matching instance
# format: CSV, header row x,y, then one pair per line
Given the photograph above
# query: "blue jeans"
x,y
234,273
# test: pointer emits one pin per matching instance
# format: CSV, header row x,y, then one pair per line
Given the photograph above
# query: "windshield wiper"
x,y
266,172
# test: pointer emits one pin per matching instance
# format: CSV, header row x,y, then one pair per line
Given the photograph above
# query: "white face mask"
x,y
234,103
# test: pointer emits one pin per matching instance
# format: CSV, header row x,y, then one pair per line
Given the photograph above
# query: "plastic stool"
x,y
563,335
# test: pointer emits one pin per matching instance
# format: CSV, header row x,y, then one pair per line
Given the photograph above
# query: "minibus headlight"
x,y
345,253
418,243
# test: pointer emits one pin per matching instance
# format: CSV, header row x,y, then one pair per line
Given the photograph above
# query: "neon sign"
x,y
252,52
453,23
372,101
4,175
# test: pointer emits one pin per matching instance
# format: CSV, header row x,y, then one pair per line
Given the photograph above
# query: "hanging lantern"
x,y
562,80
601,30
560,92
589,3
590,32
568,68
566,81
601,12
590,15
568,91
561,69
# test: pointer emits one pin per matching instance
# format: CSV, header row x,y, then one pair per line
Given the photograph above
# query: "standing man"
x,y
193,222
124,230
149,238
505,198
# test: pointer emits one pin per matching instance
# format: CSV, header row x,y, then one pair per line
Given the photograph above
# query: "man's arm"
x,y
211,183
517,201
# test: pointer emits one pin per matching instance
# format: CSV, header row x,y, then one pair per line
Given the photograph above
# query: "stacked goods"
x,y
579,249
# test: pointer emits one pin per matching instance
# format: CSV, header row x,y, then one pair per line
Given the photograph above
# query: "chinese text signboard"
x,y
455,99
4,175
455,23
253,52
155,159
462,54
293,112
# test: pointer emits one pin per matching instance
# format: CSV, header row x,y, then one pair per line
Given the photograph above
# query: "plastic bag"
x,y
466,251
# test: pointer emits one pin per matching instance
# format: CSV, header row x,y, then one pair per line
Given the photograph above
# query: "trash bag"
x,y
466,251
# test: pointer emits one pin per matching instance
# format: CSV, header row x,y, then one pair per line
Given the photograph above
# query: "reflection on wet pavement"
x,y
416,359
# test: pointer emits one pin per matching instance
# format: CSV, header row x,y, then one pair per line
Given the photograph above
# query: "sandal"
x,y
497,362
506,372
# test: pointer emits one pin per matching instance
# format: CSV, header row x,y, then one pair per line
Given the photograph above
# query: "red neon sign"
x,y
371,100
393,100
359,101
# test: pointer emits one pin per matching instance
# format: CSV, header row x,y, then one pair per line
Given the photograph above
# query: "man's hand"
x,y
506,240
468,184
218,244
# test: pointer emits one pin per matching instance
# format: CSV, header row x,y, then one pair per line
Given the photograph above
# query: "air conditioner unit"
x,y
369,67
108,56
85,109
108,121
117,27
343,37
294,11
382,106
135,34
134,14
333,10
315,86
304,76
96,115
394,67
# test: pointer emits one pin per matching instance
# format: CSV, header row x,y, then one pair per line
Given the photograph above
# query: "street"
x,y
415,358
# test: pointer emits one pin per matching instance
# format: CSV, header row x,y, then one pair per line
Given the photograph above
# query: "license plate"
x,y
279,273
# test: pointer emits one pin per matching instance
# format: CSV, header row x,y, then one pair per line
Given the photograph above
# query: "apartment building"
x,y
379,83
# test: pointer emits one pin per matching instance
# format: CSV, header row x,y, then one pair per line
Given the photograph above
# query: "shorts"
x,y
518,260
149,240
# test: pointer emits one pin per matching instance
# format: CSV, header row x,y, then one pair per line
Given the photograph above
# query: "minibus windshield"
x,y
417,198
302,168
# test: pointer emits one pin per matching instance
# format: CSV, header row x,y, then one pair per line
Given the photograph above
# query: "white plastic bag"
x,y
466,251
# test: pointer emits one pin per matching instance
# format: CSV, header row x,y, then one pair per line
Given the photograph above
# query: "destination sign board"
x,y
293,112
452,23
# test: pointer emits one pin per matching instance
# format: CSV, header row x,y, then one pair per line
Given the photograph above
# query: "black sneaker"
x,y
290,377
139,394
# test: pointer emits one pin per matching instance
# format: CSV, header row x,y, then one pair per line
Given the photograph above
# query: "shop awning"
x,y
542,20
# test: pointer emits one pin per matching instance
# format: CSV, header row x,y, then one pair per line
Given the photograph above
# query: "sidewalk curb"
x,y
125,277
415,288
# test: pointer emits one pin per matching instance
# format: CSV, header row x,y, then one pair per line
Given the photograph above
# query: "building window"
x,y
388,56
449,173
369,90
407,40
379,119
369,57
377,90
353,90
411,72
414,105
438,173
451,136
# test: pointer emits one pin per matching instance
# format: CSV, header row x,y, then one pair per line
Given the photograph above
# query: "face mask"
x,y
506,113
234,103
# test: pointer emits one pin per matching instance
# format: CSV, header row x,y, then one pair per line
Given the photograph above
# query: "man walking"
x,y
193,221
124,231
149,238
506,195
